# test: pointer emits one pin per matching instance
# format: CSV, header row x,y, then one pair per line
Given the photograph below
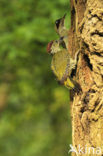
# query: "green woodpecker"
x,y
53,47
61,30
62,64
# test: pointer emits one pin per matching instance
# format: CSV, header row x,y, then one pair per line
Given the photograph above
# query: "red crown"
x,y
49,46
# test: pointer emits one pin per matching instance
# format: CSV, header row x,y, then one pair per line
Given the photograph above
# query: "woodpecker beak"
x,y
64,16
49,47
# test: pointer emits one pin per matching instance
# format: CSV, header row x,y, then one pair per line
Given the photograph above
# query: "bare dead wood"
x,y
87,108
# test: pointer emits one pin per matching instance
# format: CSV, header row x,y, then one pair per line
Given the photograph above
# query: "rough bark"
x,y
86,35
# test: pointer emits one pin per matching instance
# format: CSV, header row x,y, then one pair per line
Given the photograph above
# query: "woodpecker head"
x,y
53,47
49,46
59,23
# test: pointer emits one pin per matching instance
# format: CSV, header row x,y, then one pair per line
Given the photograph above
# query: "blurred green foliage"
x,y
34,109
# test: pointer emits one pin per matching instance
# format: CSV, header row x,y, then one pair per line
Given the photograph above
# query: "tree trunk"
x,y
86,35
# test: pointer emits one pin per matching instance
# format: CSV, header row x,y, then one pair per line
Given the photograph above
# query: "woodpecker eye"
x,y
57,23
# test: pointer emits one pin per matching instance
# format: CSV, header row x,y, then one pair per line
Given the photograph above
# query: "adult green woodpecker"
x,y
62,64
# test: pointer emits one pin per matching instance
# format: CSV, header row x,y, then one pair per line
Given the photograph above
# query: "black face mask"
x,y
57,23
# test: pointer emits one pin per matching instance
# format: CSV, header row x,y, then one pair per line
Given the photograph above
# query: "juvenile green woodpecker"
x,y
61,30
62,64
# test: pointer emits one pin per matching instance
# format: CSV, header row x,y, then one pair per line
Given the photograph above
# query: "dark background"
x,y
34,108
